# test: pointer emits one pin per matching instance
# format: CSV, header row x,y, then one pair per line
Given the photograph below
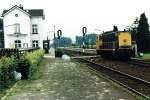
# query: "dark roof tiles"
x,y
35,12
31,12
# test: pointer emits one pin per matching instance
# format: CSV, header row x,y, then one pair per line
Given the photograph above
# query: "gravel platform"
x,y
67,80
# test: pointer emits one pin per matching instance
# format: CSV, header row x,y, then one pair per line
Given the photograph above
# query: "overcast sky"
x,y
71,15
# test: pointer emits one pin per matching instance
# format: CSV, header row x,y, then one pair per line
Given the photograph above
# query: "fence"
x,y
15,52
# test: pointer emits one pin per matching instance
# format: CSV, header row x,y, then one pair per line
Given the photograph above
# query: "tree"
x,y
143,26
79,40
133,29
143,35
115,28
90,40
63,42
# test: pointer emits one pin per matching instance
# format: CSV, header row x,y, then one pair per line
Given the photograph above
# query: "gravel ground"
x,y
135,70
59,80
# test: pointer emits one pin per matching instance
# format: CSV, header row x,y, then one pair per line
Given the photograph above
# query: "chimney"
x,y
21,6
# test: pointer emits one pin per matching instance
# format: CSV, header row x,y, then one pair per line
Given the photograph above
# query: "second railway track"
x,y
139,62
132,82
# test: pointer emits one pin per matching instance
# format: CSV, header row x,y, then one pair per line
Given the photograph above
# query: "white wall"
x,y
9,20
39,36
26,23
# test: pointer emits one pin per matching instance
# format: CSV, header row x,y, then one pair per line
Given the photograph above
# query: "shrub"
x,y
7,68
28,64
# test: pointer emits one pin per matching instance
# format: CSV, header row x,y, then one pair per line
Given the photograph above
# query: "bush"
x,y
7,68
23,68
28,64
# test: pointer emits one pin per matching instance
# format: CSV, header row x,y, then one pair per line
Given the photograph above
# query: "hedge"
x,y
28,65
7,68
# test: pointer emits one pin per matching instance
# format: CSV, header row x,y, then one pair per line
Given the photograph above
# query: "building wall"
x,y
9,20
1,38
1,34
39,36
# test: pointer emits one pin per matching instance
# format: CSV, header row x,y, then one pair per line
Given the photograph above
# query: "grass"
x,y
146,56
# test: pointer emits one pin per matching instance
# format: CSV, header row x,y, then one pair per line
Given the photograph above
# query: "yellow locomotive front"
x,y
124,40
114,44
125,44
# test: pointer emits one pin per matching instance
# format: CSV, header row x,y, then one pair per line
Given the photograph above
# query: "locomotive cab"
x,y
116,44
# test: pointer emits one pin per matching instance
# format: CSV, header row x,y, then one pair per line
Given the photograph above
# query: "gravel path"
x,y
69,80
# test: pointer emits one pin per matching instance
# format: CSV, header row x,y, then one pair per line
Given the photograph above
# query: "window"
x,y
17,43
34,29
16,15
17,28
35,44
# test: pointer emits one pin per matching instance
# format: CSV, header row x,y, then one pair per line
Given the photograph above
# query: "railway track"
x,y
139,62
133,83
78,53
132,61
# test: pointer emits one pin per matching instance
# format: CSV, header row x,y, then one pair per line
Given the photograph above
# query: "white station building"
x,y
23,28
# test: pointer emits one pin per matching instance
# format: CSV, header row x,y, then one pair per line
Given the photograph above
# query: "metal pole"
x,y
83,43
54,38
84,30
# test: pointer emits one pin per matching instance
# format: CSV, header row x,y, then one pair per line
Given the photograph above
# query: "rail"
x,y
135,84
139,62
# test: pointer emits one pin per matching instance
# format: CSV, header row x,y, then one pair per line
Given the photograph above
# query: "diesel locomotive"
x,y
114,44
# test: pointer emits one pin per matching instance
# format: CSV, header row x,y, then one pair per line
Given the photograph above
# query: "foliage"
x,y
7,68
27,65
89,39
143,26
143,35
79,40
63,42
32,61
146,56
133,28
140,33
